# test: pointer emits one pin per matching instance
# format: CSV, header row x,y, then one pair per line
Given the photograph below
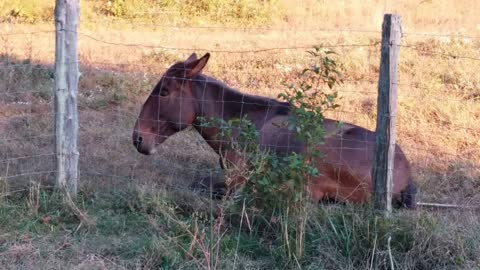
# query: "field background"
x,y
124,46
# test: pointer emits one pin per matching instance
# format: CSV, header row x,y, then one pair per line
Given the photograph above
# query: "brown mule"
x,y
183,94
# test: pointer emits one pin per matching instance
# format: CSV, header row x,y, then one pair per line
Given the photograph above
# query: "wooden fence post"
x,y
382,171
66,86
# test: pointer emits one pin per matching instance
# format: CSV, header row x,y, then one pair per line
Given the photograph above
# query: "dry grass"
x,y
437,16
438,118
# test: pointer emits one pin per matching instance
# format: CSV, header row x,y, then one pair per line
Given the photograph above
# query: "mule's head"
x,y
170,107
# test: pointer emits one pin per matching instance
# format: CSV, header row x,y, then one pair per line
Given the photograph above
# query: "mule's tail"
x,y
409,195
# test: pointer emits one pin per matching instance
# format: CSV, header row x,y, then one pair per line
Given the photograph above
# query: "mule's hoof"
x,y
409,196
210,185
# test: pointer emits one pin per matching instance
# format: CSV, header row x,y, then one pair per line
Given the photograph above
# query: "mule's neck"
x,y
217,100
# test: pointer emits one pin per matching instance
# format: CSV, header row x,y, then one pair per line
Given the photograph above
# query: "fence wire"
x,y
26,138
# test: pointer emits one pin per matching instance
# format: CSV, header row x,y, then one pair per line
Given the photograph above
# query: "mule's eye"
x,y
163,92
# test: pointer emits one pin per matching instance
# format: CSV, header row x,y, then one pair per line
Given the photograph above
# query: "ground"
x,y
142,211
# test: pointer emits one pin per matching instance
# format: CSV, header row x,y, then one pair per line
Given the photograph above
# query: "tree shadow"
x,y
109,101
107,111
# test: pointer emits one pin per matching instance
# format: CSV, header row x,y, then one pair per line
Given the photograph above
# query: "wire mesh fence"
x,y
158,197
436,106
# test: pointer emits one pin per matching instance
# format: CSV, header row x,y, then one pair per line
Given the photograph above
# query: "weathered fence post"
x,y
382,171
66,86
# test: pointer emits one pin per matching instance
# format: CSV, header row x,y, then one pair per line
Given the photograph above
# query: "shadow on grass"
x,y
140,223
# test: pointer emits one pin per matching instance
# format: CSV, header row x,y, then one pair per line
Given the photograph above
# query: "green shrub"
x,y
275,185
29,11
194,11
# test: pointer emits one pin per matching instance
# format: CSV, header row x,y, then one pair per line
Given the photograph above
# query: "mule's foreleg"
x,y
215,185
408,196
236,169
325,188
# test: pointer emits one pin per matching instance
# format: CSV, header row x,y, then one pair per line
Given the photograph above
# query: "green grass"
x,y
138,228
212,12
29,11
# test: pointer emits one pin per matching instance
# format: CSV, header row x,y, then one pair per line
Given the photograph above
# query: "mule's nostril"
x,y
137,140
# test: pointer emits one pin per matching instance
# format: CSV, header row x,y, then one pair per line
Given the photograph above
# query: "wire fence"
x,y
439,145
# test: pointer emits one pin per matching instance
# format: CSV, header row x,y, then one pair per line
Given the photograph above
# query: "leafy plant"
x,y
276,183
116,8
309,100
26,11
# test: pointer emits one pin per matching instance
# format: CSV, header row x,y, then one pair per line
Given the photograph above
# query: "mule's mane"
x,y
237,101
228,94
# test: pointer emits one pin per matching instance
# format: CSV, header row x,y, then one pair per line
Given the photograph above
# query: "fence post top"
x,y
391,15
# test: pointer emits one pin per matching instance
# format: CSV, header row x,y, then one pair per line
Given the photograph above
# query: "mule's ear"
x,y
191,58
194,68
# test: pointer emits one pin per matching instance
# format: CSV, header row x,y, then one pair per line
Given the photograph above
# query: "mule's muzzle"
x,y
139,144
